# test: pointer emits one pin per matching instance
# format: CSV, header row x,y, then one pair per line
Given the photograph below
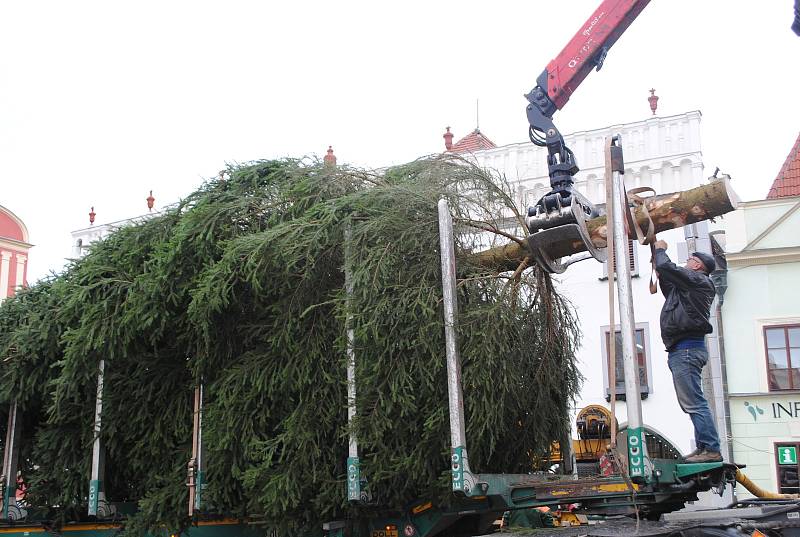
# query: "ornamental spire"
x,y
653,101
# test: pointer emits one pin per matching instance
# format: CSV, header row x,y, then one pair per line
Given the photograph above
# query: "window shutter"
x,y
633,261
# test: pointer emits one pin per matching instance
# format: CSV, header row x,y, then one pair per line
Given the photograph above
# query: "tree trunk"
x,y
668,211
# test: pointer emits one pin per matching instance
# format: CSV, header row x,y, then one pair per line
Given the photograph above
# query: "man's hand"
x,y
661,245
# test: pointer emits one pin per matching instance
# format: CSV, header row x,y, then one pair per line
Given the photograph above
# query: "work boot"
x,y
697,451
705,456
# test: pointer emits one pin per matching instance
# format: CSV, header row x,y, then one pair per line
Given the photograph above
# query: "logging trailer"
x,y
637,483
632,482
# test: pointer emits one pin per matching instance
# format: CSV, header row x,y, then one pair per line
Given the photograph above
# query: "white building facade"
x,y
663,153
761,320
83,238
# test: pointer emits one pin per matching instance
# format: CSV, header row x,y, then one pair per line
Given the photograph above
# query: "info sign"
x,y
787,455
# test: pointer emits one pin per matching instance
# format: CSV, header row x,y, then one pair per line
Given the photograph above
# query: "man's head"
x,y
701,262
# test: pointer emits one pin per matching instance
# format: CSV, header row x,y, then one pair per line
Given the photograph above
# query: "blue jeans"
x,y
686,366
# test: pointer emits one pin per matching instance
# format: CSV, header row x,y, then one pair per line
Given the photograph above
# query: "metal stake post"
x,y
462,477
636,439
10,460
96,489
197,464
353,464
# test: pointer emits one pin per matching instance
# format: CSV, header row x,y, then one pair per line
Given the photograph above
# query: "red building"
x,y
14,248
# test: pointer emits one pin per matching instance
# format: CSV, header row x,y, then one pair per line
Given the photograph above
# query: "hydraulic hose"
x,y
758,492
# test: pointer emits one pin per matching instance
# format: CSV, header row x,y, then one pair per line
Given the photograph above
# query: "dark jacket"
x,y
689,295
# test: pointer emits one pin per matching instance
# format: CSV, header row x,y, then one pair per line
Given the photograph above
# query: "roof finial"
x,y
653,101
92,214
330,158
448,140
150,201
477,115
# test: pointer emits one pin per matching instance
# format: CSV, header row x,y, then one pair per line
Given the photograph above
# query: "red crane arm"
x,y
588,47
586,50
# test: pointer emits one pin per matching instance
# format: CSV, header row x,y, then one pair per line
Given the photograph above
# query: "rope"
x,y
631,223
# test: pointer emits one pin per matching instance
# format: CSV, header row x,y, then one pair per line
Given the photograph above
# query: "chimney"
x,y
448,140
91,217
330,158
150,201
653,101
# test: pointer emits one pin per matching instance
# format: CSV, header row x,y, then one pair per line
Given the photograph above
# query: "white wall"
x,y
762,290
762,286
755,433
660,152
82,238
757,296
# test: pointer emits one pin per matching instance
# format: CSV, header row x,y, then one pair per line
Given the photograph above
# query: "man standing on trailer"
x,y
689,293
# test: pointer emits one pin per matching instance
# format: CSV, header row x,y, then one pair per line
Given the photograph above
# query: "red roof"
x,y
787,183
474,141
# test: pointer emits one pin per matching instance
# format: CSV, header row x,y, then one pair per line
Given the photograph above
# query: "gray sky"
x,y
102,101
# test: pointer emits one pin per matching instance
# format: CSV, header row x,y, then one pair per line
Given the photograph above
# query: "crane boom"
x,y
587,49
563,207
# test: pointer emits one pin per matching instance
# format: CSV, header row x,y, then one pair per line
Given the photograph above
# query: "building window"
x,y
633,261
642,338
783,356
786,463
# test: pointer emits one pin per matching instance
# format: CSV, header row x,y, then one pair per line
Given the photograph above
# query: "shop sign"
x,y
775,410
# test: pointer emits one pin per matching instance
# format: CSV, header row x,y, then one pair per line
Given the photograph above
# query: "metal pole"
x,y
200,483
191,469
96,489
196,470
636,439
612,255
458,440
353,464
11,459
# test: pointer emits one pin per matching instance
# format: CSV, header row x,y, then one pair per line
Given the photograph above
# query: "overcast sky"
x,y
102,101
